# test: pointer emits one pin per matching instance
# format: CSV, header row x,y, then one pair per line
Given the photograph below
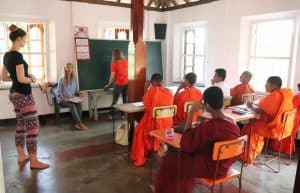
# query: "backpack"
x,y
121,135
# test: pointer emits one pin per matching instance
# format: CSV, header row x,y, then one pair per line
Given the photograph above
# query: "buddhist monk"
x,y
196,147
186,92
219,81
270,109
244,88
154,97
288,144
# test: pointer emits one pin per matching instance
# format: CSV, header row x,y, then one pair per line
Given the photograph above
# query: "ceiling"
x,y
156,5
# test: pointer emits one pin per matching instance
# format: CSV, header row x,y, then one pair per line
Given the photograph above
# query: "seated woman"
x,y
69,96
196,147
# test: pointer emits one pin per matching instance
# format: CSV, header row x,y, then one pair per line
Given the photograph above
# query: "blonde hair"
x,y
117,54
66,80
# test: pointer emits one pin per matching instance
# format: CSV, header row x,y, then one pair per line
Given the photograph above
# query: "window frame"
x,y
291,57
44,51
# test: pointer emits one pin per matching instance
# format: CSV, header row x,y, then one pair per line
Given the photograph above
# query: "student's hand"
x,y
196,106
147,84
250,105
80,94
65,99
106,87
181,86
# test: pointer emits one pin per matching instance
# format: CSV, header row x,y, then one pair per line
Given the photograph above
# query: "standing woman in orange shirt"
x,y
118,75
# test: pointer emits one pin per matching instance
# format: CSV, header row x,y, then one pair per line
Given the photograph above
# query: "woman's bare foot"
x,y
22,162
77,126
152,187
82,126
38,165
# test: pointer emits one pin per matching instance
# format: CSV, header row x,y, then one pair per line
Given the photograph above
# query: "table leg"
x,y
178,171
113,126
95,107
90,98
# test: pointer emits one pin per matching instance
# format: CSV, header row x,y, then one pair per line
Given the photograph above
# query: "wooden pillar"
x,y
136,85
297,179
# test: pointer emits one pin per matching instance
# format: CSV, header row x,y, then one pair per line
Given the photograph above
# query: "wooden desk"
x,y
93,97
160,134
235,117
129,107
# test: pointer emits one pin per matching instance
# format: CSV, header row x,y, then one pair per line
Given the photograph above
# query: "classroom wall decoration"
x,y
82,48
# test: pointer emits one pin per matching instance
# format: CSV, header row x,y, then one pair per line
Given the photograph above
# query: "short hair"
x,y
221,72
247,74
16,32
275,80
214,97
156,77
191,78
298,86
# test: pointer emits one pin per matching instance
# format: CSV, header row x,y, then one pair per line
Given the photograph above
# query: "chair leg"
x,y
56,115
240,184
221,187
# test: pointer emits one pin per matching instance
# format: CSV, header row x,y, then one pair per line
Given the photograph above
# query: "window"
x,y
193,52
34,52
270,54
112,33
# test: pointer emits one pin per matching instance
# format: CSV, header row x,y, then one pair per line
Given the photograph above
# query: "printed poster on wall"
x,y
82,48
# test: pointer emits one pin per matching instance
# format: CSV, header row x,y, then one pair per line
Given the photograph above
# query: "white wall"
x,y
223,32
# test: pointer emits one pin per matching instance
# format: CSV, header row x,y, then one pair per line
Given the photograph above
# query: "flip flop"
x,y
78,127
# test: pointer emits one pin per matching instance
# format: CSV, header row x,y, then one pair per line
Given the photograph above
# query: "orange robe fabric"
x,y
270,122
288,144
238,91
189,94
142,142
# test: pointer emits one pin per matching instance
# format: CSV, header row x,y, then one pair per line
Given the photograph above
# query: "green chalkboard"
x,y
154,60
94,73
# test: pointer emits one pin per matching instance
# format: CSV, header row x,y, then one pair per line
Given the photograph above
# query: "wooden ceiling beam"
x,y
188,4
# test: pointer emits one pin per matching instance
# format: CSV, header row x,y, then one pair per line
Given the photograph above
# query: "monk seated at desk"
x,y
188,94
288,144
244,88
270,123
155,96
196,147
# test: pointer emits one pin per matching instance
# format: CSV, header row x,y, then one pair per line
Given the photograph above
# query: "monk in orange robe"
x,y
244,88
189,94
288,144
271,109
154,97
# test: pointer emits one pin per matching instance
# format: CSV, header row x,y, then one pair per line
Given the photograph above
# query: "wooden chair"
x,y
224,150
157,113
288,123
227,101
248,98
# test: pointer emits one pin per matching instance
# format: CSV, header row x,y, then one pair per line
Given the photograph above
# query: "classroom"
x,y
171,38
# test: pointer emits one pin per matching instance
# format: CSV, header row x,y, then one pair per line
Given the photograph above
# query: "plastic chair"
x,y
227,101
161,112
288,123
225,150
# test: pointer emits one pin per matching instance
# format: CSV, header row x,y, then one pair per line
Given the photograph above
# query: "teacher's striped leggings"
x,y
27,121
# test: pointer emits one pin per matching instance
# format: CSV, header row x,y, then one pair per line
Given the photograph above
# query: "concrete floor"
x,y
83,161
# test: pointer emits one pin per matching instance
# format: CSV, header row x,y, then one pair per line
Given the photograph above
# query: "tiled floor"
x,y
83,161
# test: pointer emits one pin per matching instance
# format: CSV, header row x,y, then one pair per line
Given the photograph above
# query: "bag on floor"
x,y
121,136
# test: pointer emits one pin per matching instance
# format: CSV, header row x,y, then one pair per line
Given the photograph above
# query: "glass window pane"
x,y
35,46
2,31
26,57
189,60
189,48
35,33
188,69
189,36
109,33
37,71
35,59
199,68
264,68
273,38
122,35
3,46
199,40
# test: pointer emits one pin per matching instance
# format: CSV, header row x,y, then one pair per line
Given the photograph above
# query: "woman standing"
x,y
15,69
118,75
69,96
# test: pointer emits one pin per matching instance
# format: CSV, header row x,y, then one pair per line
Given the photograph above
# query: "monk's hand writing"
x,y
196,107
250,105
181,86
147,84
